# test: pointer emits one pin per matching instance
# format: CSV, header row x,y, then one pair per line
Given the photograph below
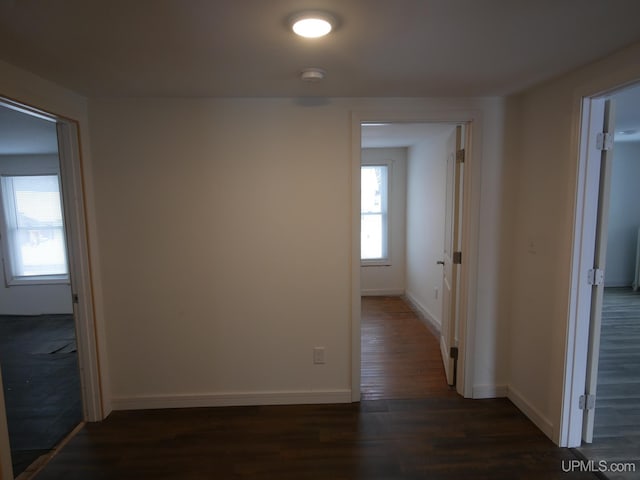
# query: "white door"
x,y
452,254
597,275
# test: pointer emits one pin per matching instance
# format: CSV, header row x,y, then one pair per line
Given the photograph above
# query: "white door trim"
x,y
80,269
588,185
588,116
470,231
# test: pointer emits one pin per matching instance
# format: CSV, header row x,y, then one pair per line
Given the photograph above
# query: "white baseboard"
x,y
444,352
381,292
144,402
423,312
490,391
530,411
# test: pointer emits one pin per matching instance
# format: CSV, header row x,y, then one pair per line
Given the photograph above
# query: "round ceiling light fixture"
x,y
312,24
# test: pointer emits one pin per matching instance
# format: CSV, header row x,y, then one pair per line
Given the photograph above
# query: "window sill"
x,y
39,280
375,263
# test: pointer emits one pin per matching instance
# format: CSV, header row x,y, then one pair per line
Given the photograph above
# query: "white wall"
x,y
494,243
543,193
226,245
389,279
624,215
426,185
32,299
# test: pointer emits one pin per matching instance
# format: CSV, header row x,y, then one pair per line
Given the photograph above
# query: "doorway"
x,y
611,304
410,160
38,348
49,357
602,414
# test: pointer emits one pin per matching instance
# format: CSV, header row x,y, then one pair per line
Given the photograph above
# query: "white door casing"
x,y
473,121
599,265
579,337
80,270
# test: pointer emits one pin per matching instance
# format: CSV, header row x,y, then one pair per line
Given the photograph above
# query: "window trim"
x,y
10,279
387,260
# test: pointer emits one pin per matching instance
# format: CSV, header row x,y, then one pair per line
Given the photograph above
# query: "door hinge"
x,y
460,155
457,258
604,141
595,276
587,402
75,298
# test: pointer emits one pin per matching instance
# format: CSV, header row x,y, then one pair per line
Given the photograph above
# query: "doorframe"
x,y
467,293
584,238
80,272
588,122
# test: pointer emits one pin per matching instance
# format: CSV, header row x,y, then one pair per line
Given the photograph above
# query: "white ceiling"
x,y
627,114
235,48
243,48
22,134
402,134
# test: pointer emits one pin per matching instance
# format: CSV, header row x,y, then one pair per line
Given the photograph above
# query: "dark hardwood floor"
x,y
409,426
400,355
616,434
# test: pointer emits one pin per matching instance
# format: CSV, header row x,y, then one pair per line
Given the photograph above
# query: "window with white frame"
x,y
34,241
374,216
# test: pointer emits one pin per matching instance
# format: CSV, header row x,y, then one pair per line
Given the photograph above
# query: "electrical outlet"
x,y
436,291
318,355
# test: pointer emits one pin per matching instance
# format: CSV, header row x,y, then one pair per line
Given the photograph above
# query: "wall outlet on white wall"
x,y
436,292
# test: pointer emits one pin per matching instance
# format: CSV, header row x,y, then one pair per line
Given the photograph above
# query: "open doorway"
x,y
611,402
38,345
407,178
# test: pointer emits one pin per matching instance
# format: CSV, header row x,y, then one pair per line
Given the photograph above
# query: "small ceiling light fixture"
x,y
312,24
312,74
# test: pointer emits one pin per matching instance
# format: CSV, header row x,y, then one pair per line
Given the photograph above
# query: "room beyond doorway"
x,y
400,354
410,179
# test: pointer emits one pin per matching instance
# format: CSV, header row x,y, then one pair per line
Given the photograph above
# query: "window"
x,y
374,234
34,240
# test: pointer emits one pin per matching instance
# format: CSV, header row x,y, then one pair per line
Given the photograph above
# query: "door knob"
x,y
440,262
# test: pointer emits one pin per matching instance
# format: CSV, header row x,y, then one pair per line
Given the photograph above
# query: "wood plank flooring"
x,y
617,420
427,432
400,355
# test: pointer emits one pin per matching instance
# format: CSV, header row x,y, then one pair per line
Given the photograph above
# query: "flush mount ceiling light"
x,y
312,24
